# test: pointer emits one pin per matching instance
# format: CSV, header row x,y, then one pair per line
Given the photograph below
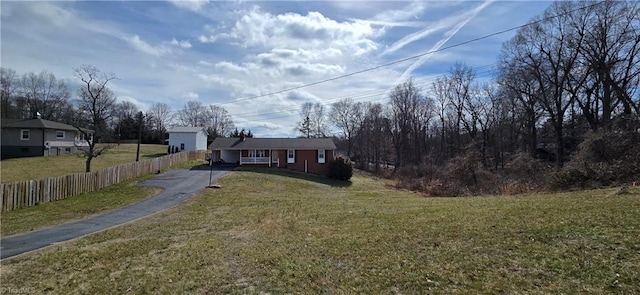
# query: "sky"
x,y
245,55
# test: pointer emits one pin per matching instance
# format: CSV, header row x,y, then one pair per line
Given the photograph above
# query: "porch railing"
x,y
254,160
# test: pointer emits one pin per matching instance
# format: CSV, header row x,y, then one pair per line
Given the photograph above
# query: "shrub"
x,y
340,169
604,158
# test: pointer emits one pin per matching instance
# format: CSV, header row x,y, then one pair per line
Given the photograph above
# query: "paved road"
x,y
179,185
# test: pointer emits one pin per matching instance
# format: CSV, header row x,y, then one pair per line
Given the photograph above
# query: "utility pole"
x,y
139,117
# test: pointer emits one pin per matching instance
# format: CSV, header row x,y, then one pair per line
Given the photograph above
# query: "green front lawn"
x,y
272,233
21,169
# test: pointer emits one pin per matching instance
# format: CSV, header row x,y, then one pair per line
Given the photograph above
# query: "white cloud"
x,y
211,35
192,5
182,43
207,39
398,17
190,95
311,31
56,15
205,63
141,106
144,47
227,67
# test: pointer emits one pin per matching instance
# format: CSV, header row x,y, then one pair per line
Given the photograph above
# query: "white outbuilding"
x,y
188,138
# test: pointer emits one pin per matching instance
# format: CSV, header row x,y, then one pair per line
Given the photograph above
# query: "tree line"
x,y
96,112
24,95
564,99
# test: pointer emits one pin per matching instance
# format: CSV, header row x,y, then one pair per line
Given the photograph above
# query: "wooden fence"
x,y
32,192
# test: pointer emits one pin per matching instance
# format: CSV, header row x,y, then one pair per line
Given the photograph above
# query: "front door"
x,y
274,157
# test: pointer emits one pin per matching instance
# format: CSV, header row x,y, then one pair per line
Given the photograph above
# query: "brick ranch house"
x,y
309,155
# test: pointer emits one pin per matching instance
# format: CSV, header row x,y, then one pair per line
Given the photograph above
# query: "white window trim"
x,y
291,160
321,160
63,134
22,133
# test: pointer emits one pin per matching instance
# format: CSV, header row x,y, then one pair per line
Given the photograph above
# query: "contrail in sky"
x,y
447,36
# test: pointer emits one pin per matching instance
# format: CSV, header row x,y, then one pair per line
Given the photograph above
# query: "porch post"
x,y
240,157
270,158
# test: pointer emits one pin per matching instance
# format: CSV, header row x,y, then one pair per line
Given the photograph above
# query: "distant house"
x,y
39,137
311,155
188,138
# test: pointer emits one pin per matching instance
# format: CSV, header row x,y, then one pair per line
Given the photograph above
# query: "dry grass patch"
x,y
318,236
39,167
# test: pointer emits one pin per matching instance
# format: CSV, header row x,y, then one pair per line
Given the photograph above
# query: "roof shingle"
x,y
36,124
272,143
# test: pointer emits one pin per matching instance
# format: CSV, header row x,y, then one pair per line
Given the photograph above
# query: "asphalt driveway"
x,y
179,185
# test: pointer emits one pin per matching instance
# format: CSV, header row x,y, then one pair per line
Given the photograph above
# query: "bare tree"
x,y
9,85
348,117
160,116
193,114
520,85
220,121
610,56
45,95
305,125
319,120
405,109
123,120
95,107
126,109
371,138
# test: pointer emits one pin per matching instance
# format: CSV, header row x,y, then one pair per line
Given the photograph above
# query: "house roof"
x,y
183,129
272,143
36,124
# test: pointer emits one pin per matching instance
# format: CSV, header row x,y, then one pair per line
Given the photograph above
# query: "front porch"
x,y
248,157
254,160
260,157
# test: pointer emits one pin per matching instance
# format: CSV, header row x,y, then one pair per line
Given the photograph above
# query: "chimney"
x,y
242,135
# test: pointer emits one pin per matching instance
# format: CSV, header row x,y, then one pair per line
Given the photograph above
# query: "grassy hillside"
x,y
39,167
268,232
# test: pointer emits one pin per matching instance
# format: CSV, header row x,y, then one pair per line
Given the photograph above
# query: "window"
x,y
257,153
321,156
182,146
24,134
67,150
59,134
291,156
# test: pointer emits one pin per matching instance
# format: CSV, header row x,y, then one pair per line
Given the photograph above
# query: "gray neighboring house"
x,y
39,137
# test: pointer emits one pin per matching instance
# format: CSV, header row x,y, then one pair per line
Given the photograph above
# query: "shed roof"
x,y
183,129
37,124
272,143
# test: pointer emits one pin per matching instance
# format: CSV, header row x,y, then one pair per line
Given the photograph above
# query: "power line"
x,y
480,71
375,93
414,56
